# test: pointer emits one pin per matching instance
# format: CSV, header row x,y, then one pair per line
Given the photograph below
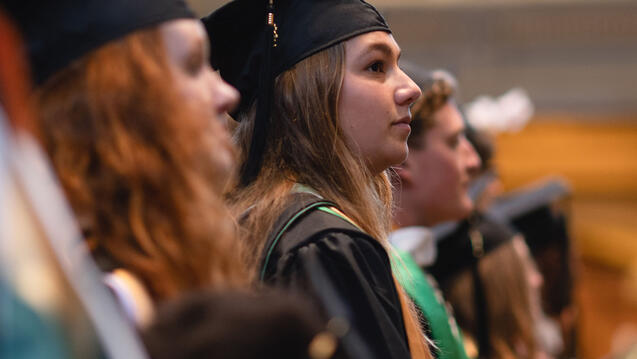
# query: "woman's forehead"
x,y
373,41
180,36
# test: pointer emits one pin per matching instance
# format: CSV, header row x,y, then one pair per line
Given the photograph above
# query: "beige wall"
x,y
205,6
572,56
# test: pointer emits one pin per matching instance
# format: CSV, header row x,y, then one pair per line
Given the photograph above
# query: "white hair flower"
x,y
507,113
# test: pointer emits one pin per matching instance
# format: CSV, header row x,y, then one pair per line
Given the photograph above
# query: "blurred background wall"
x,y
572,56
578,61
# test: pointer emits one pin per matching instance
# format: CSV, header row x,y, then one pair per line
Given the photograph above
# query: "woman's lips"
x,y
403,123
405,120
402,126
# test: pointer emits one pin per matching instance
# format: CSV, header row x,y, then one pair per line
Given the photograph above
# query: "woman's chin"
x,y
400,156
395,159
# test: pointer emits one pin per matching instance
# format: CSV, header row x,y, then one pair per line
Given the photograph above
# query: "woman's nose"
x,y
408,92
226,96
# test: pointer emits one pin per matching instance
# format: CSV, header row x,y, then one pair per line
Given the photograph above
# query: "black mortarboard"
x,y
525,200
523,211
59,32
461,245
461,249
530,211
250,51
534,213
466,243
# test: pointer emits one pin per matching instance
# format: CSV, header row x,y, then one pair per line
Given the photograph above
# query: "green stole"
x,y
443,327
423,292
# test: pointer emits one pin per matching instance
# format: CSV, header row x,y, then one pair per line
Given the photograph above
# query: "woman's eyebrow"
x,y
384,48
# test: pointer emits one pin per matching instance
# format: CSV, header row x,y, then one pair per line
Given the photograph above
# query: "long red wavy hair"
x,y
143,172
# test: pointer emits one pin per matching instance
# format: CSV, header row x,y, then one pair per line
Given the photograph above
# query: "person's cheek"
x,y
201,95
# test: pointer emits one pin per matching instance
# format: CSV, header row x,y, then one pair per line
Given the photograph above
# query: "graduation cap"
x,y
253,41
58,32
524,200
461,245
460,248
535,212
530,211
526,210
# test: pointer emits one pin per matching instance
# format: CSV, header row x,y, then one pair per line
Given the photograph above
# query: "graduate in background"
x,y
238,325
129,112
432,187
53,303
324,114
488,275
483,264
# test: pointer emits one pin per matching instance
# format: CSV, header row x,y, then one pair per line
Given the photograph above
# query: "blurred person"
x,y
537,212
324,113
485,184
235,325
491,281
434,180
488,274
129,112
52,308
433,188
49,306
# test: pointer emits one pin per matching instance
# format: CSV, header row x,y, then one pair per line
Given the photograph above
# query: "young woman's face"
x,y
186,44
375,98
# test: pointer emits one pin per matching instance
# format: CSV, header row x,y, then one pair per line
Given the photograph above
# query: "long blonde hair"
x,y
506,288
306,145
143,172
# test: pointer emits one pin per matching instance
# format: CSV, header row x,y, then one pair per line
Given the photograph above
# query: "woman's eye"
x,y
376,67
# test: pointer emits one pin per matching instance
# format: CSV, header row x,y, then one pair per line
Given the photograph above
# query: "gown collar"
x,y
418,241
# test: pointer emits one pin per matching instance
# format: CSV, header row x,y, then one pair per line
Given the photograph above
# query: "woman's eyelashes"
x,y
377,66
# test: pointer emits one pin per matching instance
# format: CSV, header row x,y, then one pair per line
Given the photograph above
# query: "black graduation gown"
x,y
346,273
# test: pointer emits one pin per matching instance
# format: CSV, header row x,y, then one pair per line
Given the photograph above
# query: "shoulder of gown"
x,y
348,275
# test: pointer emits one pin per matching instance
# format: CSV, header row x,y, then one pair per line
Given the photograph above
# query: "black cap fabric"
x,y
532,211
237,34
526,211
253,41
526,200
57,32
471,240
462,249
